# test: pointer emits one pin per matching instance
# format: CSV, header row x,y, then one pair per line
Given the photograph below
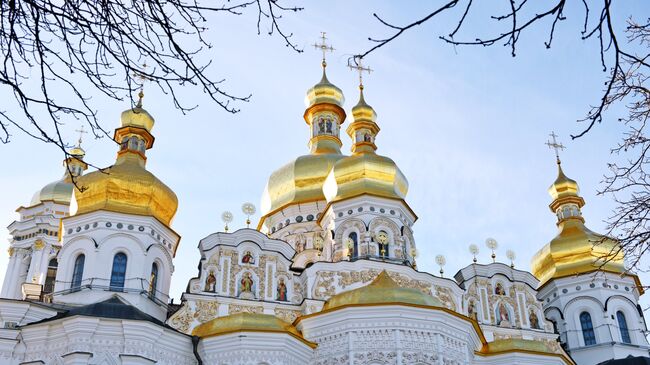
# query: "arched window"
x,y
622,326
78,272
355,245
153,280
119,272
587,329
50,277
383,239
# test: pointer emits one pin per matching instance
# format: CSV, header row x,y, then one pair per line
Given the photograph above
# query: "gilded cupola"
x,y
575,249
60,191
301,180
127,186
364,172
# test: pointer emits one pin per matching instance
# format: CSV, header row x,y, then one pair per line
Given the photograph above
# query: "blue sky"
x,y
466,125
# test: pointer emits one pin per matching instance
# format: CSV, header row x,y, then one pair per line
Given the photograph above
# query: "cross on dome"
x,y
81,131
324,47
142,77
554,144
360,69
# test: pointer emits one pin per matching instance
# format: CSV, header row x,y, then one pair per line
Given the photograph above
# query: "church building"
x,y
327,277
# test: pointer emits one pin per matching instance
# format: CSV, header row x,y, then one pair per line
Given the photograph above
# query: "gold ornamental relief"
x,y
206,310
445,296
237,308
324,287
287,315
182,319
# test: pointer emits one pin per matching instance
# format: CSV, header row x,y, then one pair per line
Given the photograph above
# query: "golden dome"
x,y
324,93
575,249
59,191
382,290
137,117
364,172
126,187
248,322
299,181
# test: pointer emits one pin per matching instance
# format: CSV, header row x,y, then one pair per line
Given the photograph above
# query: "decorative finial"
x,y
81,134
510,254
473,249
324,47
492,244
441,261
554,144
248,209
359,68
143,77
226,217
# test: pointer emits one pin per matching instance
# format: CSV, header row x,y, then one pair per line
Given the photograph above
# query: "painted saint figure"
x,y
367,138
210,282
246,283
282,291
471,310
329,125
498,290
321,125
534,321
248,258
502,314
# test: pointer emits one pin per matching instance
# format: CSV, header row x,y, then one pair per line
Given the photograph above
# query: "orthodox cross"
x,y
81,134
142,77
554,144
324,47
360,69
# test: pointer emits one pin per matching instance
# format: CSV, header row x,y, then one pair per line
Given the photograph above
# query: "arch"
x,y
587,326
583,298
108,239
347,226
622,327
153,280
118,272
77,272
50,276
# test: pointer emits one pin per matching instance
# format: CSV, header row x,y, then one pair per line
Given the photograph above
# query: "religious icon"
x,y
534,321
498,290
248,258
282,291
471,310
329,125
211,282
321,125
502,314
367,138
246,283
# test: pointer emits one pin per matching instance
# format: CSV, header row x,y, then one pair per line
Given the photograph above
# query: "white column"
x,y
35,267
9,283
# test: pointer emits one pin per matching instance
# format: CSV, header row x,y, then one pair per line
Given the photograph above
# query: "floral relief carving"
x,y
287,315
206,310
182,319
324,287
236,308
445,296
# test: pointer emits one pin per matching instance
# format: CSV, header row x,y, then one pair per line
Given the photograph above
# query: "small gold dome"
x,y
248,322
324,93
575,249
382,290
59,191
137,117
78,152
126,187
364,172
299,181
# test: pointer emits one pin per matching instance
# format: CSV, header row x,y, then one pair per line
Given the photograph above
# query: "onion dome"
x,y
382,290
60,191
575,249
127,187
301,180
364,172
248,322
